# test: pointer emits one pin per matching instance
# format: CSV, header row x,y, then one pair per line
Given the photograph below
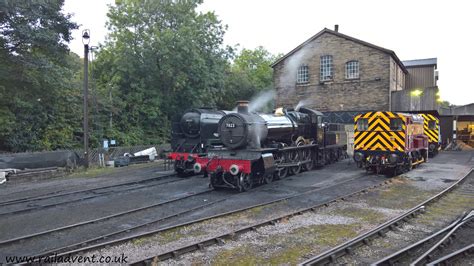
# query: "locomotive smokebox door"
x,y
268,162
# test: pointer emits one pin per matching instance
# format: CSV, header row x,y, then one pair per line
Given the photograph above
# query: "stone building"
x,y
342,76
333,72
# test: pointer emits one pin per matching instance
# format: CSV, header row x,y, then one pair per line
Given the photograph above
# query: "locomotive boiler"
x,y
261,147
192,135
253,131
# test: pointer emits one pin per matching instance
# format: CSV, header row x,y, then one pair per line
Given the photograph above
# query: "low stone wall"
x,y
69,158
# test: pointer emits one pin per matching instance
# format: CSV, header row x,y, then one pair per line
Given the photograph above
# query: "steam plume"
x,y
302,103
259,101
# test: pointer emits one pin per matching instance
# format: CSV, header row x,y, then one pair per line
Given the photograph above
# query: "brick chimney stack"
x,y
336,28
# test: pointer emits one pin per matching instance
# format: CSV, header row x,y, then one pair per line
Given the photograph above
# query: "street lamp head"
x,y
416,92
85,36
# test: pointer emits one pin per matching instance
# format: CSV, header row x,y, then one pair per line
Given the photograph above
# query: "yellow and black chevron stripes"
x,y
378,136
379,141
433,134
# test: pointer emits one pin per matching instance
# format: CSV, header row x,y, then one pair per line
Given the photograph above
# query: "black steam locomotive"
x,y
192,135
261,147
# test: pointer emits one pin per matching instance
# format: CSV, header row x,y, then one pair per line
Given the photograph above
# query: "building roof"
x,y
336,33
421,62
467,109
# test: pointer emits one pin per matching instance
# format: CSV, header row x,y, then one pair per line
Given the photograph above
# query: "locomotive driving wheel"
x,y
245,182
281,172
295,156
308,155
268,179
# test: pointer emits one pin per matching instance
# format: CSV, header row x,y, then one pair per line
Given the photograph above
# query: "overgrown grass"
x,y
288,248
95,171
92,172
399,195
362,214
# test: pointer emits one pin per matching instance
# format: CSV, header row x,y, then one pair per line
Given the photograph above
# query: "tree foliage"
x,y
37,76
163,57
159,58
248,75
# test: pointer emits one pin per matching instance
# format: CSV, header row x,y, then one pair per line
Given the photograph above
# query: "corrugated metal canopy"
x,y
421,62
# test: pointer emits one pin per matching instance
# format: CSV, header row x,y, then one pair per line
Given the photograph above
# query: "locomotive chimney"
x,y
243,107
336,28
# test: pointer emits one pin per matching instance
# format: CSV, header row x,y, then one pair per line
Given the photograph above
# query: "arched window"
x,y
352,69
302,76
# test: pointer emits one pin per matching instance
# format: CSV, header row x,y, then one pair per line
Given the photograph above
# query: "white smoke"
x,y
261,100
291,65
302,103
288,72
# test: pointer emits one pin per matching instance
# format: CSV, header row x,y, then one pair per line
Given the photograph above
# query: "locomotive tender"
x,y
261,147
389,142
192,136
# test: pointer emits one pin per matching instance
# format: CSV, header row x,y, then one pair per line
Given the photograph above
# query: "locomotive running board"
x,y
293,164
298,147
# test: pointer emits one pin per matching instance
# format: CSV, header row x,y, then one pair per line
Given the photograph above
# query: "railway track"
x,y
454,256
347,248
89,244
59,193
93,221
425,250
123,173
31,203
220,239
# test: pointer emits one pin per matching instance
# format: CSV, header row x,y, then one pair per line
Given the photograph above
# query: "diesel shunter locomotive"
x,y
389,142
261,147
192,136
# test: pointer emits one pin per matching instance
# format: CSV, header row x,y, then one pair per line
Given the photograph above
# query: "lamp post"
x,y
85,41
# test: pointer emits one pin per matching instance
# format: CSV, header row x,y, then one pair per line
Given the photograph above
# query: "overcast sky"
x,y
413,29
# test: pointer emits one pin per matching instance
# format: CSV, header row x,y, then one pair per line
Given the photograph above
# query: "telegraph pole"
x,y
85,41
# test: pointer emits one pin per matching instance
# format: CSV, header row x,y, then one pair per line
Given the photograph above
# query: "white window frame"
x,y
302,74
326,68
352,69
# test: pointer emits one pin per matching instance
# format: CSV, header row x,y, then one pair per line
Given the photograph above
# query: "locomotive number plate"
x,y
230,125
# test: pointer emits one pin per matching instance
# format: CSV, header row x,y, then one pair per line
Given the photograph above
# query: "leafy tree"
x,y
36,76
249,74
256,64
160,57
